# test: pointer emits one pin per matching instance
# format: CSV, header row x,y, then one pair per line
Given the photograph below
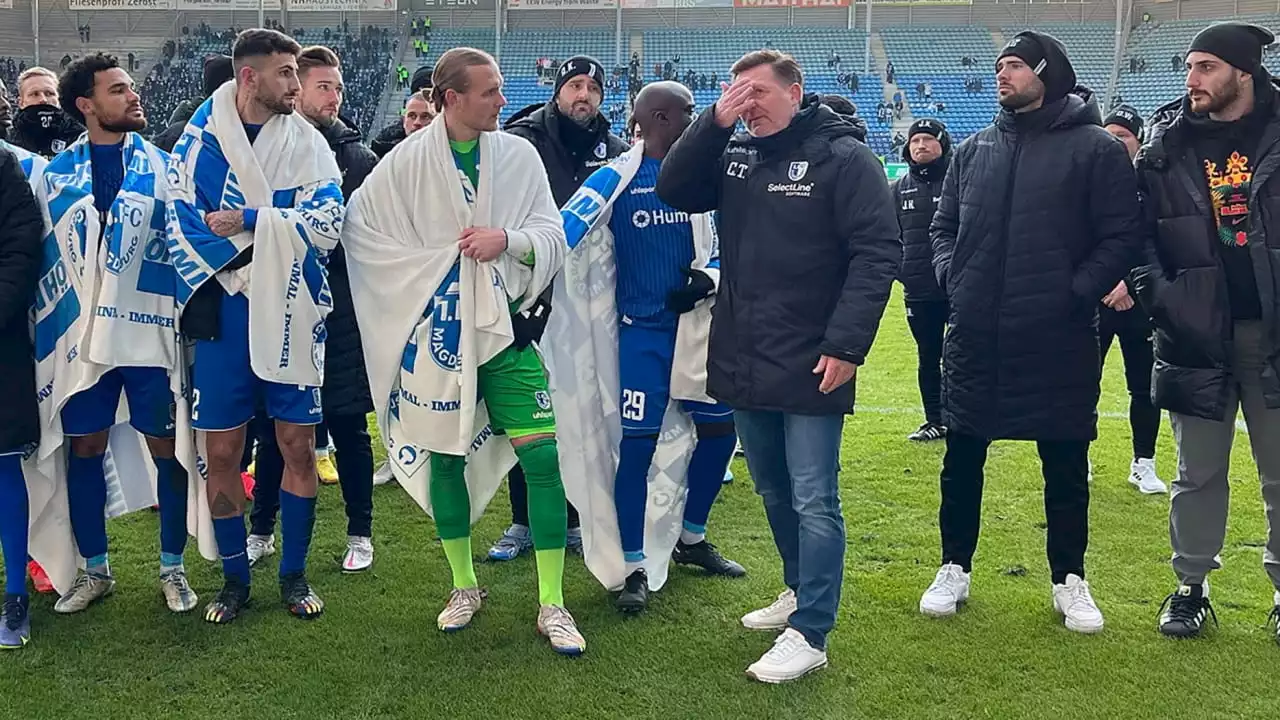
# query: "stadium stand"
x,y
942,56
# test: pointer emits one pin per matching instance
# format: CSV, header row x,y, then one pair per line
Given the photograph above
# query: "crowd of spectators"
x,y
365,54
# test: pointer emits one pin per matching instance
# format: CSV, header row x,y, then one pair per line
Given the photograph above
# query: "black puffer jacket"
x,y
1039,218
570,153
346,383
916,195
808,251
167,138
21,228
387,138
1183,286
44,130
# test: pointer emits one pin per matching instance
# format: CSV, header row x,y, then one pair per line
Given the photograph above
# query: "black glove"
x,y
528,327
697,287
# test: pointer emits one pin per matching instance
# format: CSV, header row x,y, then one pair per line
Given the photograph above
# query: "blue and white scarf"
x,y
582,358
104,299
290,176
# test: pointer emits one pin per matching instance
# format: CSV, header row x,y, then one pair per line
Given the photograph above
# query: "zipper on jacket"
x,y
1004,257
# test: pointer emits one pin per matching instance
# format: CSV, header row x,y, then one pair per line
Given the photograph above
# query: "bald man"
x,y
664,270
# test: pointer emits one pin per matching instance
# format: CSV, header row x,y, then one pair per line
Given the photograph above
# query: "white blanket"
x,y
100,304
429,316
582,357
290,177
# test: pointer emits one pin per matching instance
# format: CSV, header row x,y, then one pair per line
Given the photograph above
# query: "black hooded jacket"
x,y
1183,284
44,130
569,152
387,138
916,196
21,229
1038,219
808,251
346,382
167,138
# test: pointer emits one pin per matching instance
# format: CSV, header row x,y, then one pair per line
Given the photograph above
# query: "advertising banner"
x,y
121,4
667,4
790,3
562,4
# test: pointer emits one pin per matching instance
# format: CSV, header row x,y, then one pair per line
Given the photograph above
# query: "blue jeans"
x,y
795,463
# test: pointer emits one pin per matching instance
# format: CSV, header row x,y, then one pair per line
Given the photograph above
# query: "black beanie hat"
x,y
217,70
580,65
1239,44
1047,58
421,78
928,126
1127,118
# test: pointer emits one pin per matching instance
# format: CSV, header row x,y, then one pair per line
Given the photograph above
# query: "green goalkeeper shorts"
x,y
513,385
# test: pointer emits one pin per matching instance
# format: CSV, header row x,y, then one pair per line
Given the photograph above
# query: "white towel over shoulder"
x,y
430,317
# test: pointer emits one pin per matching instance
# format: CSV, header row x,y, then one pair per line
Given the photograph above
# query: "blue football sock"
x,y
297,518
87,502
171,491
631,492
229,532
706,474
14,519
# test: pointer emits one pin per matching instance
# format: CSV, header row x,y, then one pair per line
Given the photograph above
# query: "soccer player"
x,y
21,229
251,175
345,394
129,343
654,248
450,235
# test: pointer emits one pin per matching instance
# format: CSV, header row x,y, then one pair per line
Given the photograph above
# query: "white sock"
x,y
633,566
691,538
322,453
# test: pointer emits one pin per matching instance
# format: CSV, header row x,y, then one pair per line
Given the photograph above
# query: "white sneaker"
x,y
383,474
88,589
773,617
790,658
557,625
258,547
359,555
1089,479
463,604
177,592
1142,475
950,588
1073,600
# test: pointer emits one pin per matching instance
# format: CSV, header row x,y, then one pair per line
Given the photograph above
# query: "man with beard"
x,y
573,139
418,111
217,70
809,247
128,344
258,206
916,194
345,395
1211,288
1037,221
41,126
1119,318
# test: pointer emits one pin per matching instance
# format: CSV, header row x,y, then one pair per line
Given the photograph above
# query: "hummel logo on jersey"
x,y
643,218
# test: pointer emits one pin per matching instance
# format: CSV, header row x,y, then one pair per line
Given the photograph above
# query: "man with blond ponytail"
x,y
451,235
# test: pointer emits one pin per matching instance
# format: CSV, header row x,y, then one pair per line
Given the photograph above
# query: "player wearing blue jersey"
x,y
654,251
97,92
